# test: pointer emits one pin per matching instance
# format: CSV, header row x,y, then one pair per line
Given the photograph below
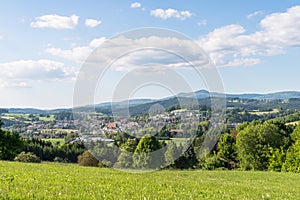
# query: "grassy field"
x,y
48,118
14,116
69,181
293,123
26,117
264,112
55,140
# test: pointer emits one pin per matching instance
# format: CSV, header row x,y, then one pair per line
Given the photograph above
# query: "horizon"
x,y
154,99
254,47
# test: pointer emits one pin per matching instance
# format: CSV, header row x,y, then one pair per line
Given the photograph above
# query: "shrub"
x,y
87,159
104,164
211,162
62,160
27,158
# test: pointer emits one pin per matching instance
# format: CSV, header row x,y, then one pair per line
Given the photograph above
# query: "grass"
x,y
55,140
177,141
293,123
47,119
16,116
264,112
69,181
26,116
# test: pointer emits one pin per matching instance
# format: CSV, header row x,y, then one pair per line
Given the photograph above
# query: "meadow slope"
x,y
69,181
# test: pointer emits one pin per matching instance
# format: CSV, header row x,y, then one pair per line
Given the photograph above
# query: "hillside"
x,y
69,181
139,106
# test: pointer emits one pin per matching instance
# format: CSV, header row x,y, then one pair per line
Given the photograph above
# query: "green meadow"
x,y
70,181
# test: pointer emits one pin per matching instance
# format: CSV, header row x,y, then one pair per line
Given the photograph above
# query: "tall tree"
x,y
254,142
188,158
227,150
292,162
146,154
171,154
11,144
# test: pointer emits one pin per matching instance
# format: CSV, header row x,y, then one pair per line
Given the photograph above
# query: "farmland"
x,y
69,181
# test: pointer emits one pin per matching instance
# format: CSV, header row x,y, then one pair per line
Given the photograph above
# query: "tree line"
x,y
270,145
11,144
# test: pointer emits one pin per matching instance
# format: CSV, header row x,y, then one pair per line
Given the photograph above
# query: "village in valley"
x,y
98,126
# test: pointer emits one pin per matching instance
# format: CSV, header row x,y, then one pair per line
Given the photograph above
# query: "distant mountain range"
x,y
278,95
142,104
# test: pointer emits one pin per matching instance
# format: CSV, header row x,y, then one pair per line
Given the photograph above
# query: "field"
x,y
69,181
54,141
293,123
264,112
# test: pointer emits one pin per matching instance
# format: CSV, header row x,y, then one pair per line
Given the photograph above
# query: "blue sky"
x,y
43,44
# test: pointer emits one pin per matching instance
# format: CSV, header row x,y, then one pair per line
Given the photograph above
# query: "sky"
x,y
45,45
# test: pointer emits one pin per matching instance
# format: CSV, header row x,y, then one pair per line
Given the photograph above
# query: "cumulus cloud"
x,y
149,54
136,5
228,46
256,13
170,52
237,62
55,21
92,23
171,13
76,54
231,45
23,72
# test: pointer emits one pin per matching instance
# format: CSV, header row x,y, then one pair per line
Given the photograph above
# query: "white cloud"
x,y
92,22
237,62
55,21
231,45
143,55
202,22
1,37
256,13
135,5
96,42
171,13
149,54
23,72
76,54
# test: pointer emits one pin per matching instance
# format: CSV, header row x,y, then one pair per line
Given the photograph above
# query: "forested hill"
x,y
285,100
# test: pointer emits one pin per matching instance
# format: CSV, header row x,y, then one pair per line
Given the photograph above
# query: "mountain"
x,y
281,95
271,96
139,105
130,102
36,111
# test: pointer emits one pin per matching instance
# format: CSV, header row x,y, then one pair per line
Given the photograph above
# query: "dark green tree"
x,y
188,159
11,144
227,150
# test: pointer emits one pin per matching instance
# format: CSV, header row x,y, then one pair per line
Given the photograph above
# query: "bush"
x,y
61,160
104,164
87,159
27,158
211,162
